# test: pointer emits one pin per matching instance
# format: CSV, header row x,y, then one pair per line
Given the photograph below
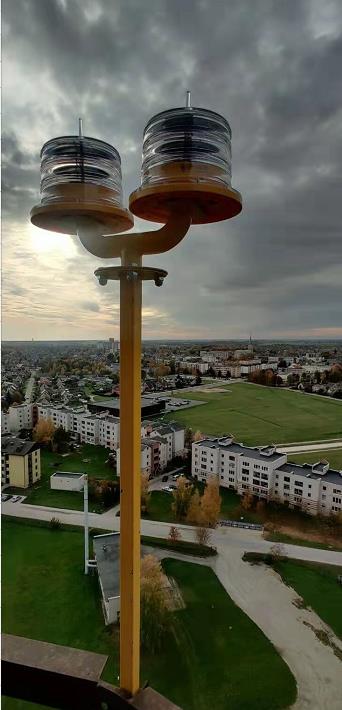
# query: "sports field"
x,y
260,415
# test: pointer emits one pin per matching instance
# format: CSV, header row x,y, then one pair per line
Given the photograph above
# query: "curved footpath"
x,y
258,591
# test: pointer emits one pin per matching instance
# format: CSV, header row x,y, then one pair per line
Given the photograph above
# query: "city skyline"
x,y
271,71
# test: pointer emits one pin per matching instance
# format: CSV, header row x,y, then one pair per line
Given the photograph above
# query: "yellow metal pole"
x,y
130,475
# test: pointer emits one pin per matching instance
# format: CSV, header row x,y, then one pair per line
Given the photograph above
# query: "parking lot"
x,y
8,498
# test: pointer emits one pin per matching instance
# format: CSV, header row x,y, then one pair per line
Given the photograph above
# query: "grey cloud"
x,y
90,306
264,68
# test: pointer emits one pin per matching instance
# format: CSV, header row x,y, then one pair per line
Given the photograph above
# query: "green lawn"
x,y
289,540
260,415
159,507
334,456
228,662
214,657
96,467
317,585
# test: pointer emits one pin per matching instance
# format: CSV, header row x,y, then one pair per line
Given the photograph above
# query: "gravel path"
x,y
260,592
304,448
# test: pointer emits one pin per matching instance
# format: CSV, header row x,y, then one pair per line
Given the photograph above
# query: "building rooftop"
x,y
260,454
67,474
307,470
17,447
114,403
107,555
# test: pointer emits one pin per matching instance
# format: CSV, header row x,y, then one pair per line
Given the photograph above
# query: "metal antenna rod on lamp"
x,y
80,135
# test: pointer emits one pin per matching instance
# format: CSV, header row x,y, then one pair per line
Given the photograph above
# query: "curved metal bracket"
x,y
135,244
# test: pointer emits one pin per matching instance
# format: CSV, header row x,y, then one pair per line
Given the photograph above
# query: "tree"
x,y
198,380
145,495
277,552
260,507
60,440
292,379
211,502
174,534
105,492
154,604
198,436
247,500
181,498
188,437
202,536
194,515
44,431
162,370
55,524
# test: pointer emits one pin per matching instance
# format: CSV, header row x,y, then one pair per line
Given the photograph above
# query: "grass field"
x,y
159,507
318,586
289,540
334,456
260,415
215,655
96,467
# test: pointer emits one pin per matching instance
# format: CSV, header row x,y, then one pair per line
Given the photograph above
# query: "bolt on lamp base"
x,y
130,273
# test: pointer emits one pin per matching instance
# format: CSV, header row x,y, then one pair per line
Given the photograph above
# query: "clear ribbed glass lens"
x,y
187,144
68,162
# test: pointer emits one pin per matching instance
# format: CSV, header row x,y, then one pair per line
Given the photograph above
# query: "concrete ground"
x,y
260,593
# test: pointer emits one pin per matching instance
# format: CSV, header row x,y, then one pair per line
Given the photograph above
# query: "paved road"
x,y
258,590
29,387
227,538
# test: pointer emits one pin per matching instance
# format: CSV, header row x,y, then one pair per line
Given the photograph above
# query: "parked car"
x,y
167,489
165,478
15,499
4,497
177,475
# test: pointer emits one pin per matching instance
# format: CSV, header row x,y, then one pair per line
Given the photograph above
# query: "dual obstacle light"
x,y
186,164
185,180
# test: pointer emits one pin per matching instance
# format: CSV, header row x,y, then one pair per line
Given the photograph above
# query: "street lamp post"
x,y
86,523
185,180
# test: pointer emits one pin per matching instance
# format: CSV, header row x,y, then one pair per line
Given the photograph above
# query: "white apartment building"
x,y
200,367
109,432
19,417
5,423
88,428
146,459
263,471
159,445
248,366
161,442
221,368
213,355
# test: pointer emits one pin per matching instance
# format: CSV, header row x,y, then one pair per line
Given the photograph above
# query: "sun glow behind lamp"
x,y
186,179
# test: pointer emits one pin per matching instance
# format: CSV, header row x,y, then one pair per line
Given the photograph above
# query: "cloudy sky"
x,y
273,69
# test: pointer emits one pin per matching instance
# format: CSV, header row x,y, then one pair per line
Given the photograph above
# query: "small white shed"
x,y
67,481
